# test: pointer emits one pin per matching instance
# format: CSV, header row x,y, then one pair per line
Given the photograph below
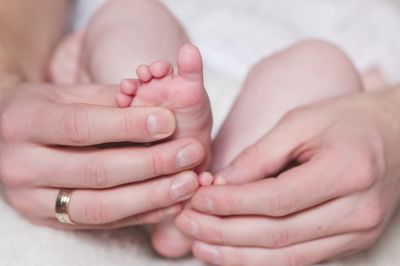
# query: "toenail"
x,y
183,187
161,124
189,156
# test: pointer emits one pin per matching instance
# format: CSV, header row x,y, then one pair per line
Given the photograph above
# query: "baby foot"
x,y
183,93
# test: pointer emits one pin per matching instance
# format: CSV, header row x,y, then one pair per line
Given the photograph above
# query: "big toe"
x,y
169,242
190,63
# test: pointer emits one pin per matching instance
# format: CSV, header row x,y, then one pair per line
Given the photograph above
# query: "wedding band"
x,y
62,202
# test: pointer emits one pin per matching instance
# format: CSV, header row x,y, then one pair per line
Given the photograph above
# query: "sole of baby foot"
x,y
182,92
169,242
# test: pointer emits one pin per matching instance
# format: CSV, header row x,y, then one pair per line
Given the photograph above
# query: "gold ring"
x,y
63,199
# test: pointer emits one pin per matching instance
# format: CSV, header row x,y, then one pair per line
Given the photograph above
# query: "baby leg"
x,y
302,74
182,91
126,33
122,35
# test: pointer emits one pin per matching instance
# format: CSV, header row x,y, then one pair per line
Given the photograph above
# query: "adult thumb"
x,y
89,94
266,157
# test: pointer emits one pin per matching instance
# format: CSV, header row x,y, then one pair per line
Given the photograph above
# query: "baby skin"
x,y
182,91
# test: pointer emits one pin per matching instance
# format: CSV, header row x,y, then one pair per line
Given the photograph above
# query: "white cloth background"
x,y
232,35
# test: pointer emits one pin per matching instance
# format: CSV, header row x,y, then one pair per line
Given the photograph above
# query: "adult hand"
x,y
336,201
47,142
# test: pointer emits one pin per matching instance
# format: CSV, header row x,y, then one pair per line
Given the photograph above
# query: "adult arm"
x,y
28,34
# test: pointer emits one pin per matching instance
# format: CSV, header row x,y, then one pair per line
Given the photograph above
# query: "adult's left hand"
x,y
335,201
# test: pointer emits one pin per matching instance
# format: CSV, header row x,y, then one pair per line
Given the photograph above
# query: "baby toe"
x,y
143,73
160,69
206,179
190,64
123,100
129,86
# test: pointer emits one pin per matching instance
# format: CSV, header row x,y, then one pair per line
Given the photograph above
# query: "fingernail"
x,y
161,124
188,156
211,253
183,187
206,203
209,204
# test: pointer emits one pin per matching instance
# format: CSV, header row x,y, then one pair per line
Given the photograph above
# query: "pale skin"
x,y
109,50
348,132
182,91
343,190
48,132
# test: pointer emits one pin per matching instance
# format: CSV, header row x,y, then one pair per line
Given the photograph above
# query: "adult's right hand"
x,y
48,138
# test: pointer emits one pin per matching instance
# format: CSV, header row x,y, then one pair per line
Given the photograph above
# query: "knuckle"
x,y
12,176
127,125
280,204
96,175
374,216
219,237
279,238
154,165
363,171
75,125
96,212
232,203
131,123
154,198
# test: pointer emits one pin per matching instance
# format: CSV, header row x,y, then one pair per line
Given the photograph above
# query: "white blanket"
x,y
232,35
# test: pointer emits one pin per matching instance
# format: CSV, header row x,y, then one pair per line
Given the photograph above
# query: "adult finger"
x,y
101,168
307,253
88,94
95,207
268,232
151,217
271,153
84,125
299,188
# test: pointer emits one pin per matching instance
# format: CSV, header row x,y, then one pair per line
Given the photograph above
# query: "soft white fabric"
x,y
232,35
